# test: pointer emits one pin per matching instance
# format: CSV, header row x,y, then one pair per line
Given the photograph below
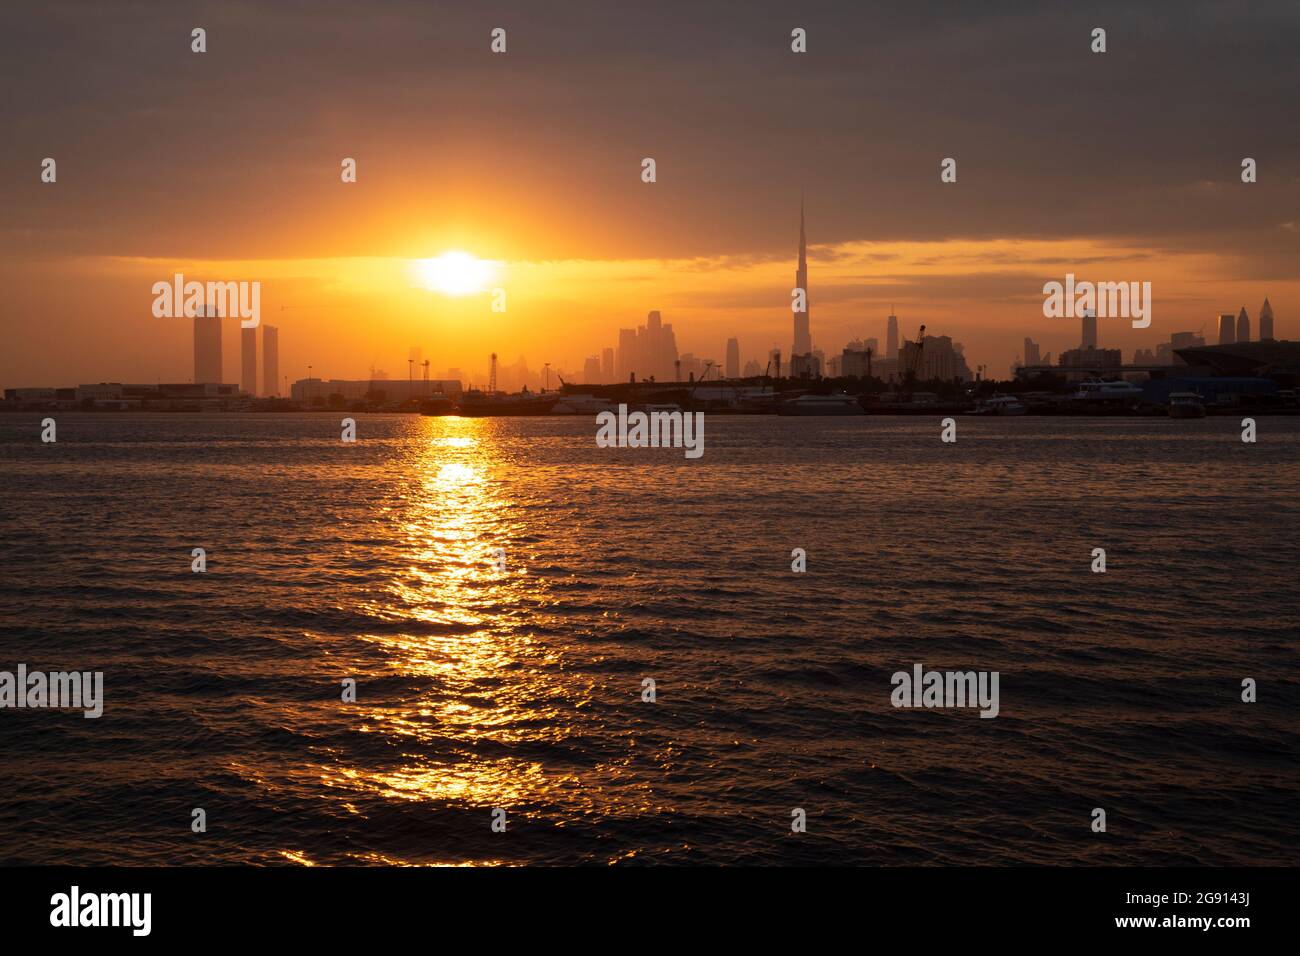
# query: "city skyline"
x,y
543,182
650,351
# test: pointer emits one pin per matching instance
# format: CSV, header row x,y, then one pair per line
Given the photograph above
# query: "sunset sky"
x,y
225,166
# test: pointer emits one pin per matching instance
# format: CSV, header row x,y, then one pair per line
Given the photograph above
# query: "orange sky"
x,y
343,315
225,166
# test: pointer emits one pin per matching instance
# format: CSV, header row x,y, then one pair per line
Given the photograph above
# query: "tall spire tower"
x,y
802,338
1266,322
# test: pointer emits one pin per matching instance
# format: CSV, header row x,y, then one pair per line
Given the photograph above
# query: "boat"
x,y
437,405
840,404
1186,405
1000,405
583,404
476,404
1096,390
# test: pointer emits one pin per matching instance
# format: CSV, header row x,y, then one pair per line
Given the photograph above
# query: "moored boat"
x,y
1000,405
840,404
1186,405
476,404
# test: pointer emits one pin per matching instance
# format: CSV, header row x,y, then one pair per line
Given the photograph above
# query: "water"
x,y
521,689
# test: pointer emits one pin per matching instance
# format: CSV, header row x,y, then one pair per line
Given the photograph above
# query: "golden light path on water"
x,y
497,688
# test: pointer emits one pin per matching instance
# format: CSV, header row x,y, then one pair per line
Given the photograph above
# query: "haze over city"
x,y
226,166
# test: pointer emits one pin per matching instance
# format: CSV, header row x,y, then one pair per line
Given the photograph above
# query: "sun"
x,y
454,273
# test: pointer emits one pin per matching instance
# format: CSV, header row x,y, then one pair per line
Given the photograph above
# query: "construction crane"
x,y
909,375
700,380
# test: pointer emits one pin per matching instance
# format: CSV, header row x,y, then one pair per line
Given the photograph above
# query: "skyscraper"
x,y
1266,322
607,366
248,360
733,358
1032,354
1243,326
891,336
1226,332
270,360
207,346
1089,329
802,336
668,352
627,349
591,371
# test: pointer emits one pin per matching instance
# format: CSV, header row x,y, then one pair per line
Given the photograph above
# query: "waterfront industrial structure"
x,y
316,391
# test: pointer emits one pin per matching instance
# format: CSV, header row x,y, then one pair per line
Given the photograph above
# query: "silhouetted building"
x,y
1243,326
591,370
1183,340
1266,322
207,347
248,360
854,364
650,351
627,353
1247,358
802,336
1094,358
733,358
805,366
1089,320
270,360
1033,356
1227,331
939,359
891,338
607,365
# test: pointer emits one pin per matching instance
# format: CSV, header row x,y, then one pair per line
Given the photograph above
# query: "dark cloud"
x,y
233,154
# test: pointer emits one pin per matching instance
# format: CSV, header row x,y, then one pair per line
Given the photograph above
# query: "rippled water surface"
x,y
521,688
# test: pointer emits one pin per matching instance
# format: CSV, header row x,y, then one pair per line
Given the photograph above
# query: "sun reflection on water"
x,y
492,702
469,703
